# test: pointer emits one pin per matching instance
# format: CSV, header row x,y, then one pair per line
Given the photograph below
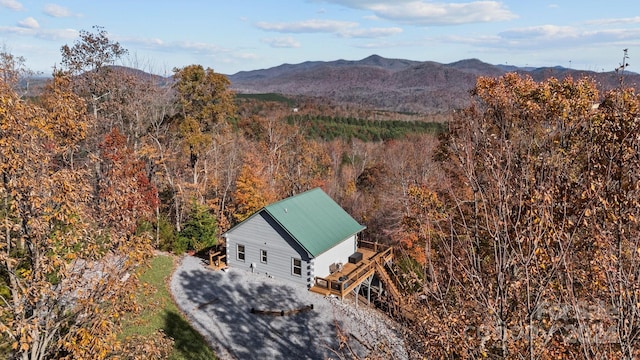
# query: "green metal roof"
x,y
314,220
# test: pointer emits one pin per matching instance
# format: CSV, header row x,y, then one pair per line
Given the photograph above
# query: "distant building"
x,y
297,239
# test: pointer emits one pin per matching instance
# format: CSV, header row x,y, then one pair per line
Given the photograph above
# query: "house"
x,y
299,238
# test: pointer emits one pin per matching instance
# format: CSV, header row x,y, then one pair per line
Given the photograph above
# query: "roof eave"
x,y
224,234
348,236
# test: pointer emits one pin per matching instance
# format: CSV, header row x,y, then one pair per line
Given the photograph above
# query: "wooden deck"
x,y
342,282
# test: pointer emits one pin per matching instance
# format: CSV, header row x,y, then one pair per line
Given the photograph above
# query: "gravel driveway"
x,y
218,304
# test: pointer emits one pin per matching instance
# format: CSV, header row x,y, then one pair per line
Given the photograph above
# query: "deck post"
x,y
369,281
357,293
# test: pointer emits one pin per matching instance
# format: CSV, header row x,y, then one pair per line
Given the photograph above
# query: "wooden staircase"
x,y
396,307
391,287
343,282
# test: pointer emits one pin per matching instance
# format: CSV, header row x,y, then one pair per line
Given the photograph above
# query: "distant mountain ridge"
x,y
396,84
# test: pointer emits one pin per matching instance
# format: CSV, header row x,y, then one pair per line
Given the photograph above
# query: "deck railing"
x,y
375,246
347,282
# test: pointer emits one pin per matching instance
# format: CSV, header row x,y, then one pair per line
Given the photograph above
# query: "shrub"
x,y
200,231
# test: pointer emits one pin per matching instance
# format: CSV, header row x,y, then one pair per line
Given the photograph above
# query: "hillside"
x,y
377,83
396,84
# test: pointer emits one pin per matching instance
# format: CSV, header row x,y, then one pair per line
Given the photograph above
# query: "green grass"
x,y
160,312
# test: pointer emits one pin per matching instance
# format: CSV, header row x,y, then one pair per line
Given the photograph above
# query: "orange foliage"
x,y
252,192
68,268
125,193
419,228
537,245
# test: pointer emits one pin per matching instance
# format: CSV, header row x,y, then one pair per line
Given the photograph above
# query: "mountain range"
x,y
399,85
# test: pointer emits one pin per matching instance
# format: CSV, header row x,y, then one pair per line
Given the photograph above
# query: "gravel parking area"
x,y
218,304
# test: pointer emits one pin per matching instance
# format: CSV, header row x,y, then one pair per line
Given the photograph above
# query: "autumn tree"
x,y
138,104
88,60
204,102
228,161
41,204
306,165
517,160
251,189
13,71
275,137
612,217
124,194
419,232
65,280
293,163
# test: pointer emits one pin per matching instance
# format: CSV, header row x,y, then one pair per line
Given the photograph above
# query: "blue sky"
x,y
234,35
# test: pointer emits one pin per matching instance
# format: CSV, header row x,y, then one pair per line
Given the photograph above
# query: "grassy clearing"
x,y
160,313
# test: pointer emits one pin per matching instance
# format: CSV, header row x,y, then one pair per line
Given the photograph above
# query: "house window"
x,y
240,252
296,267
263,256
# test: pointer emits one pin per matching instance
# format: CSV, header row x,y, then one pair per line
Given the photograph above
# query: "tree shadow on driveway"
x,y
219,305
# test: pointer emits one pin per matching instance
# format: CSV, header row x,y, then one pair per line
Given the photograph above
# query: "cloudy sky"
x,y
235,35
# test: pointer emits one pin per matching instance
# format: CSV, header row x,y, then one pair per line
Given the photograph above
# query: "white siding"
x,y
260,232
337,254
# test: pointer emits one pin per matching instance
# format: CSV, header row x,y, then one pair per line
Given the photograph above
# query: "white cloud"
x,y
618,21
387,44
235,58
345,29
55,10
308,26
548,32
11,4
58,11
16,30
425,13
155,44
370,33
197,47
245,56
548,37
48,34
282,42
29,23
143,42
482,40
57,34
217,54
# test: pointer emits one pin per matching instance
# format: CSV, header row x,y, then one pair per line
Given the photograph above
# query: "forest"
x,y
515,223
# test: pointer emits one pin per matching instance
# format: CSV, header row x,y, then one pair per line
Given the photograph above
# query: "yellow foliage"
x,y
252,192
70,272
